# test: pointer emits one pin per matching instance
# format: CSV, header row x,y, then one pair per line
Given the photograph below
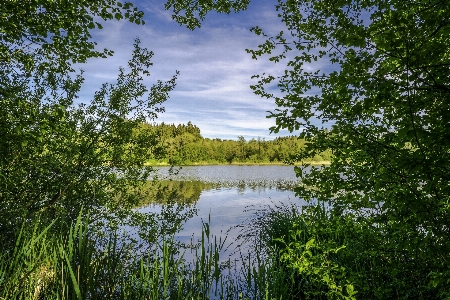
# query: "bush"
x,y
330,256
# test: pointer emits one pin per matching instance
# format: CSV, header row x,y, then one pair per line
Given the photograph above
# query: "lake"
x,y
230,196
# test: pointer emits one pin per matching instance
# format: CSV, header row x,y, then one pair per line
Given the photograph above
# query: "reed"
x,y
45,263
49,264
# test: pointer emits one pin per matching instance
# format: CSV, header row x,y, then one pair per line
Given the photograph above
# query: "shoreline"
x,y
164,164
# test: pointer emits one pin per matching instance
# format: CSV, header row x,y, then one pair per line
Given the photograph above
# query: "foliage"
x,y
80,264
313,254
184,145
77,264
48,35
385,88
192,12
57,156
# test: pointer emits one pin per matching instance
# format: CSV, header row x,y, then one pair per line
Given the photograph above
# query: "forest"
x,y
184,145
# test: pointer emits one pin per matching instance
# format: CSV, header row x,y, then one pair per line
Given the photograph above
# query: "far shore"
x,y
165,164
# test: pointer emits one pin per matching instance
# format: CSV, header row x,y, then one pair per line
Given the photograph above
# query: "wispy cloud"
x,y
215,71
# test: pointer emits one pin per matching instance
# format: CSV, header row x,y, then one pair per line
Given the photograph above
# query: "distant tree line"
x,y
183,144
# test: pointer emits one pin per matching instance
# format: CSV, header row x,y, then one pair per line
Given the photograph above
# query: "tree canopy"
x,y
184,145
56,155
385,86
37,32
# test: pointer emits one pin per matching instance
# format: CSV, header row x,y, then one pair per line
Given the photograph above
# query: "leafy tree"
x,y
56,156
52,35
242,142
386,89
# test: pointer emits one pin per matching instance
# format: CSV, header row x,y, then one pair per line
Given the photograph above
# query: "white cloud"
x,y
215,71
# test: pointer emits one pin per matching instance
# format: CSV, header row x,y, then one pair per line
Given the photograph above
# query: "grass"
x,y
292,255
47,264
44,263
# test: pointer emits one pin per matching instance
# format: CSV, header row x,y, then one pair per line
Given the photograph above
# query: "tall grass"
x,y
266,275
77,264
44,263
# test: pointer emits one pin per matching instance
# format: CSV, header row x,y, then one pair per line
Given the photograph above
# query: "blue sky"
x,y
215,71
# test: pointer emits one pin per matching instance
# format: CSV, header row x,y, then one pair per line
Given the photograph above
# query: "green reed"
x,y
290,254
47,264
77,264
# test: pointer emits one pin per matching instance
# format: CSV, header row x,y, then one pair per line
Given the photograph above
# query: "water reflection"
x,y
279,177
173,191
228,208
223,196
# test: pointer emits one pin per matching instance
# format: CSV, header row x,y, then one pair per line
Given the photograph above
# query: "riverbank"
x,y
166,164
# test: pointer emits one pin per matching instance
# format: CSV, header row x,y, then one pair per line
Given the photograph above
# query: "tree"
x,y
386,89
242,142
379,71
57,157
52,35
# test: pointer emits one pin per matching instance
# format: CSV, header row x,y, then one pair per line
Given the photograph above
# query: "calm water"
x,y
262,176
232,196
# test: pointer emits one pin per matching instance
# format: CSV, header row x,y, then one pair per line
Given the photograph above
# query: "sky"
x,y
213,88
